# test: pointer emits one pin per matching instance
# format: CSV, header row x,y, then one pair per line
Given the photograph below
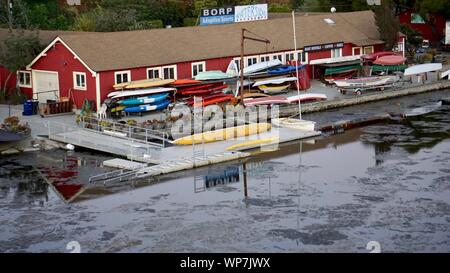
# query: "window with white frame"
x,y
356,51
237,62
368,50
251,60
336,53
79,80
122,76
400,47
154,73
169,72
24,78
197,68
290,56
264,58
302,56
278,56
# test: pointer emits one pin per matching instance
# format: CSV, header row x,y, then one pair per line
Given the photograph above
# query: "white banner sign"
x,y
251,13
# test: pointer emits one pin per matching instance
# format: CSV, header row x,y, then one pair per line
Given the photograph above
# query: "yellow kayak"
x,y
148,83
223,134
252,143
144,82
273,89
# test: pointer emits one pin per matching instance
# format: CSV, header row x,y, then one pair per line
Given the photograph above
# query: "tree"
x,y
387,23
18,50
316,6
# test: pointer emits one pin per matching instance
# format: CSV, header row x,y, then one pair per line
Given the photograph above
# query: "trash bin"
x,y
27,108
35,107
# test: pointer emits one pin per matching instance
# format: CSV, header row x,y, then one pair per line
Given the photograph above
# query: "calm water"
x,y
387,182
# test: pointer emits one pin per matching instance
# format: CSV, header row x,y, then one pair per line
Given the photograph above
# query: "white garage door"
x,y
45,86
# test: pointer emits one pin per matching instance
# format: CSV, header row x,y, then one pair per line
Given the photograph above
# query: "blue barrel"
x,y
27,108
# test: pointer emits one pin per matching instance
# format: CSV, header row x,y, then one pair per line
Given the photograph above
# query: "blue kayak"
x,y
147,107
145,100
285,69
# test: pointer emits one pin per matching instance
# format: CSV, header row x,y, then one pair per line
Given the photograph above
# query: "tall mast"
x,y
296,64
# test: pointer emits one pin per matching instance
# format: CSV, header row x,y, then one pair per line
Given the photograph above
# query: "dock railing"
x,y
133,133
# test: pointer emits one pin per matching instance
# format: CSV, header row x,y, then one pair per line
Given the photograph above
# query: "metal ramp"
x,y
138,143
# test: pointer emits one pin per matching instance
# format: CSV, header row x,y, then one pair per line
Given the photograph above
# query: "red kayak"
x,y
202,91
390,60
217,98
185,82
197,87
376,55
266,100
190,101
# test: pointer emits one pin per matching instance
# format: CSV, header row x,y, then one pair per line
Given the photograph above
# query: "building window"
x,y
197,68
79,80
264,58
290,56
368,50
24,78
302,56
278,56
169,72
251,60
237,62
122,76
153,73
336,53
356,51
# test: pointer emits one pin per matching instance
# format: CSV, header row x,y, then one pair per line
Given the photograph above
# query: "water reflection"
x,y
29,177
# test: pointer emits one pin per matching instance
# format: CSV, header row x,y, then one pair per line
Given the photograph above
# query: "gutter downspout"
x,y
97,90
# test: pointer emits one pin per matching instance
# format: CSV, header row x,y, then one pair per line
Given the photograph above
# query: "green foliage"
x,y
42,15
425,7
387,23
19,49
187,22
13,97
413,36
279,8
316,6
201,4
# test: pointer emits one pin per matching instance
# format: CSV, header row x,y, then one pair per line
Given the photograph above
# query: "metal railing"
x,y
74,135
133,133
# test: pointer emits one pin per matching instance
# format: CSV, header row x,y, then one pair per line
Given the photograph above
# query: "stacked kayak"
x,y
144,100
275,85
210,93
147,107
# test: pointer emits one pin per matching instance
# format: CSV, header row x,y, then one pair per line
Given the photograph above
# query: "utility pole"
x,y
9,7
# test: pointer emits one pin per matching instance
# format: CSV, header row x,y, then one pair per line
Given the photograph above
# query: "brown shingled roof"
x,y
145,48
46,36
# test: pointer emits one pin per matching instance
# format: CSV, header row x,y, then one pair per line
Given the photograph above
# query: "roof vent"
x,y
329,21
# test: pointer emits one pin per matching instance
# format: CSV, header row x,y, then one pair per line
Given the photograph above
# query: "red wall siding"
x,y
183,72
61,60
425,29
3,76
12,82
347,50
377,48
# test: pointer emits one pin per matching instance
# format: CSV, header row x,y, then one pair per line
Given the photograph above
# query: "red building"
x,y
82,67
22,79
433,31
